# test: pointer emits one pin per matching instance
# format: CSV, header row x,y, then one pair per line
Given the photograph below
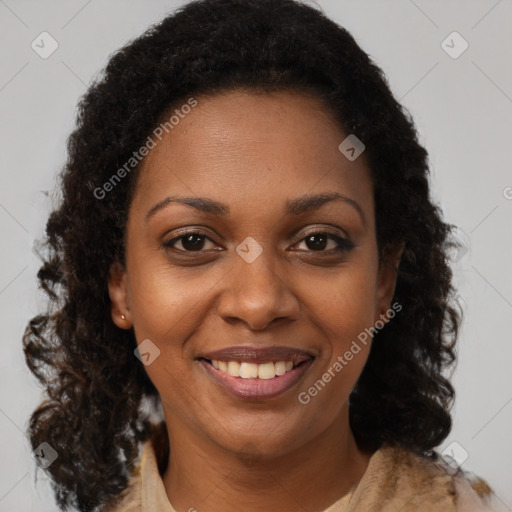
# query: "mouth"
x,y
256,373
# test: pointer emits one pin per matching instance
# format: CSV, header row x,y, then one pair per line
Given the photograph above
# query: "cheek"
x,y
344,315
167,310
343,308
344,305
168,303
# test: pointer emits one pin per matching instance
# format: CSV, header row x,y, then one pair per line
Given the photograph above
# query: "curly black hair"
x,y
94,413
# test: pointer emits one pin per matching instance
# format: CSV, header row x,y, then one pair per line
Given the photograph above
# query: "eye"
x,y
319,240
195,241
191,241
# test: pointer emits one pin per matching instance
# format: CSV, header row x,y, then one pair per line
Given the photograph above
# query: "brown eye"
x,y
192,241
319,241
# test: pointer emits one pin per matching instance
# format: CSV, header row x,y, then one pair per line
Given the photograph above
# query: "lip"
x,y
258,389
260,355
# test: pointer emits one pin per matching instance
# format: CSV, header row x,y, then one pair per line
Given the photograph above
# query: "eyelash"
x,y
344,245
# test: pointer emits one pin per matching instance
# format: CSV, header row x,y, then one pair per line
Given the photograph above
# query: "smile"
x,y
257,373
247,370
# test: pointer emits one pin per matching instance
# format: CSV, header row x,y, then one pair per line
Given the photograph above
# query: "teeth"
x,y
280,368
245,370
234,369
267,371
248,370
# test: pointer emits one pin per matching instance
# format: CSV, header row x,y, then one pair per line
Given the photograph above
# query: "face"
x,y
273,273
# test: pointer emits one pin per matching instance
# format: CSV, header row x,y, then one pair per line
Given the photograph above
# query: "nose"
x,y
257,295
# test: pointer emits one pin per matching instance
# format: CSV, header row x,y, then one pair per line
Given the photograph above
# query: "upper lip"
x,y
259,355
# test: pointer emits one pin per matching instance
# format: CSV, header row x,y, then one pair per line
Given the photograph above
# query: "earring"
x,y
123,317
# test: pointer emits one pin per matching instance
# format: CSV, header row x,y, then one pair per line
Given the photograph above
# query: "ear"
x,y
118,292
386,282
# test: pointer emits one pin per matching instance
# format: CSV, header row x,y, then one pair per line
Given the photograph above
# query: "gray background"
x,y
463,111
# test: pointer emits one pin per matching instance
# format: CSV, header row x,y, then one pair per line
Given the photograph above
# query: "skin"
x,y
254,152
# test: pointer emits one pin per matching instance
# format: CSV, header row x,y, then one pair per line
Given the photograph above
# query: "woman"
x,y
246,249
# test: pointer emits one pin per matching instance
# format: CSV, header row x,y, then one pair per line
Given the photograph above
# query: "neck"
x,y
204,476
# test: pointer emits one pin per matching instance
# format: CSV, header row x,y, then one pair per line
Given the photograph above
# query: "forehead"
x,y
251,147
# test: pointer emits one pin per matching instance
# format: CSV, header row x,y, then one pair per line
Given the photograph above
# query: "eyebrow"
x,y
293,207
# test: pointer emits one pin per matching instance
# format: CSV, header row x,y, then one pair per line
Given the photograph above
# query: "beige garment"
x,y
394,481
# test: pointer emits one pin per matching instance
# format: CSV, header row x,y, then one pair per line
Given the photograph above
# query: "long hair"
x,y
95,387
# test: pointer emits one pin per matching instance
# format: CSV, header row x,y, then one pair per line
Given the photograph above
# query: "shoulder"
x,y
473,494
145,490
431,480
398,479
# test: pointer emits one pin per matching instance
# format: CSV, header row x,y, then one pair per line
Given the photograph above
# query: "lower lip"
x,y
257,389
